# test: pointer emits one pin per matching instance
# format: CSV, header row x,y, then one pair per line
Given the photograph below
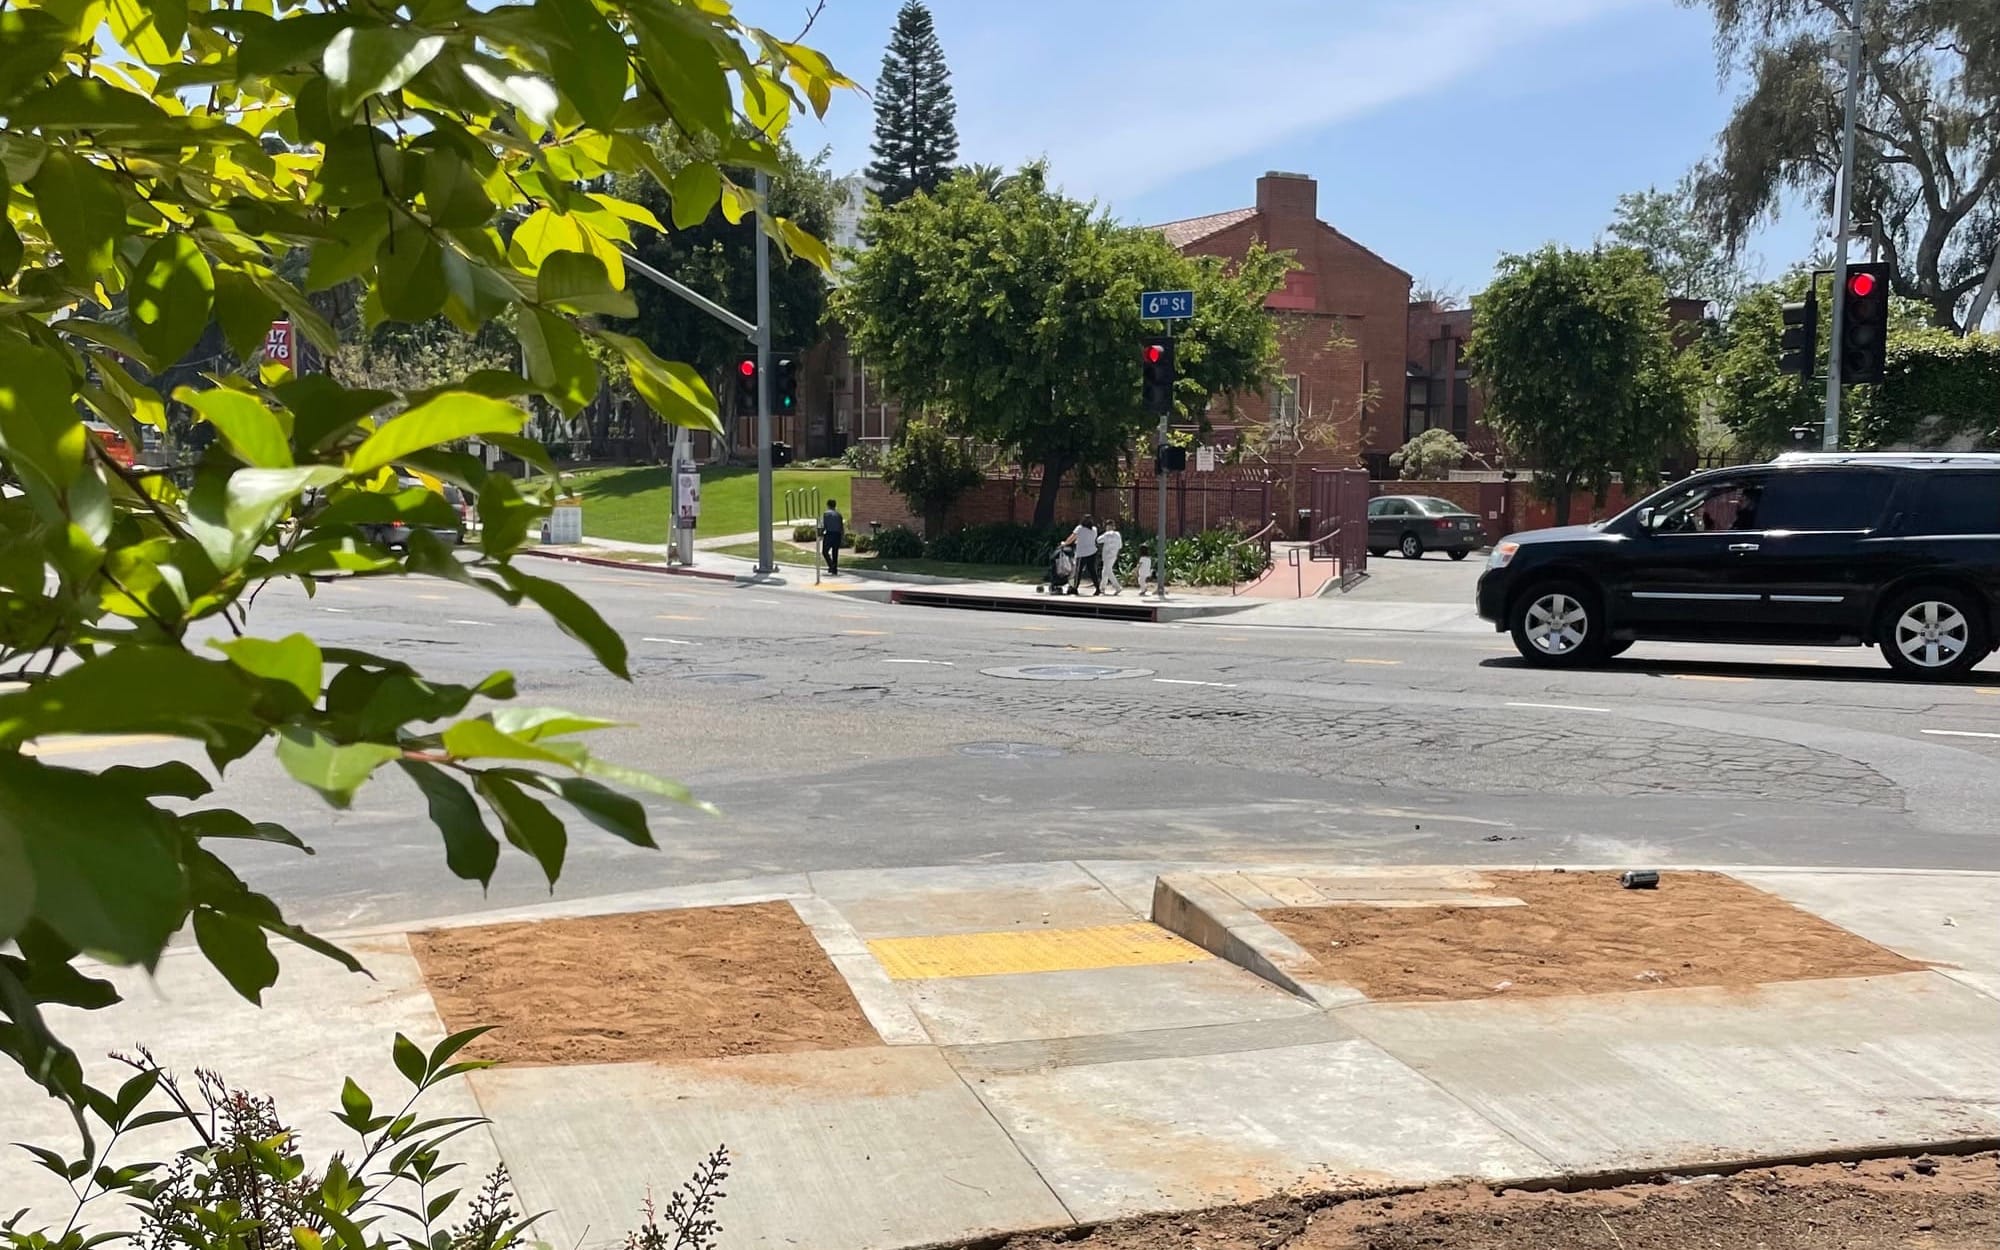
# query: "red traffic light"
x,y
1861,284
746,367
1153,353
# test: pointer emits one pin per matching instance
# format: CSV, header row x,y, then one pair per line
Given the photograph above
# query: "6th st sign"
x,y
1166,305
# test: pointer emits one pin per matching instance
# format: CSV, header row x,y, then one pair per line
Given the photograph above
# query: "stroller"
x,y
1062,566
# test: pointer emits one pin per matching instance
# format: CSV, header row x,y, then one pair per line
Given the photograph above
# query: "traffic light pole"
x,y
766,558
1160,496
1842,197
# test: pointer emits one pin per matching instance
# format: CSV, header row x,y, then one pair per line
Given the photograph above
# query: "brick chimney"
x,y
1290,205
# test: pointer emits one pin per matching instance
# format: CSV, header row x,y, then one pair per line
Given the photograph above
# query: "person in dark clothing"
x,y
832,530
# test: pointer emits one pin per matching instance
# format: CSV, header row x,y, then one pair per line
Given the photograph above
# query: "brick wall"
x,y
1194,501
1506,507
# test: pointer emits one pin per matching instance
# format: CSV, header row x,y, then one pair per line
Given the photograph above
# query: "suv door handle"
x,y
1743,546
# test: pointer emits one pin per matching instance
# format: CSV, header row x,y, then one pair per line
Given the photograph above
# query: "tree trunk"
x,y
1565,491
1051,491
933,522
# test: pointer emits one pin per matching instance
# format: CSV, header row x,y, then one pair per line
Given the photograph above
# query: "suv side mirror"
x,y
1645,518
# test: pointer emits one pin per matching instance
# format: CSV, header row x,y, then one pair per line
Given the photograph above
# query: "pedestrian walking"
x,y
832,530
1083,540
1109,543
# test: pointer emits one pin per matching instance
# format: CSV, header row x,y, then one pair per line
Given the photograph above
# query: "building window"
x,y
1416,408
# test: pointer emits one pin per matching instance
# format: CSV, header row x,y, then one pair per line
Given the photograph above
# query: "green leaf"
x,y
255,497
239,951
528,824
409,275
152,29
409,1060
443,419
804,246
172,777
334,769
441,1053
31,44
452,192
587,58
358,1107
470,849
82,210
577,281
671,389
41,436
322,408
17,883
293,659
171,296
575,617
480,739
696,189
252,430
558,363
536,723
370,60
675,49
637,780
98,859
296,40
245,310
131,689
615,813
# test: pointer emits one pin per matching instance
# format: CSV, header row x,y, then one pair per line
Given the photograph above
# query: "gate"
x,y
1340,521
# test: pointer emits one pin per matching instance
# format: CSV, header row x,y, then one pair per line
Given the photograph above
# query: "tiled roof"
x,y
1195,229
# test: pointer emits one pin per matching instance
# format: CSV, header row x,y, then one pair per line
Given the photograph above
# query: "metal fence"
x,y
1340,520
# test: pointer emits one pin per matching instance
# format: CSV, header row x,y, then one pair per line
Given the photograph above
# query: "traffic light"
x,y
1156,370
785,386
1800,345
1169,459
746,386
1864,323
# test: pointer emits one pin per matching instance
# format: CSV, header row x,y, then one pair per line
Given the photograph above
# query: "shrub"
x,y
930,469
864,543
1431,455
899,542
999,543
805,533
1216,557
862,457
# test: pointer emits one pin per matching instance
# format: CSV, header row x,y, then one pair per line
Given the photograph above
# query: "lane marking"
x,y
1183,681
1986,690
1032,950
944,663
434,598
1708,677
1958,733
463,621
75,745
669,616
864,633
1360,660
1562,707
324,608
1041,629
678,642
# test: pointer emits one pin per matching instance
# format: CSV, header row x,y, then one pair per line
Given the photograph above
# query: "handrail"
x,y
1261,536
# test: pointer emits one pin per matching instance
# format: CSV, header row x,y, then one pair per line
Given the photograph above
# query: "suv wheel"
x,y
1558,624
1412,547
1933,634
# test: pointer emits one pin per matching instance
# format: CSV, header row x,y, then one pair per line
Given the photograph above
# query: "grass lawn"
x,y
789,553
632,505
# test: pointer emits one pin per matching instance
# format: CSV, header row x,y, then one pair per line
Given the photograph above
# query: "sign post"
x,y
1167,306
280,348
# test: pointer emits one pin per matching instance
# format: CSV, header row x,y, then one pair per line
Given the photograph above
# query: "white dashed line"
x,y
1958,733
1561,707
678,642
469,622
1182,681
323,608
944,663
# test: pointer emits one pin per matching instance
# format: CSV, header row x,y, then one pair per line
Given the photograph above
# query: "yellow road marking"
x,y
1041,629
1708,677
1987,690
432,598
1074,647
1032,950
1355,659
864,633
103,742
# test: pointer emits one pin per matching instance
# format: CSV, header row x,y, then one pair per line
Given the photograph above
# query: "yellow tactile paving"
x,y
1032,950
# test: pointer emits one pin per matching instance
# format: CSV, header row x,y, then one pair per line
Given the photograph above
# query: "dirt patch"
x,y
1930,1204
1581,933
699,983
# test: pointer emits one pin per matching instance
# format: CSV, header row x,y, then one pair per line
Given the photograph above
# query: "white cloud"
x,y
1123,97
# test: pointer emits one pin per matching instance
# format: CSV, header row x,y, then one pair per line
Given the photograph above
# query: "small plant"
x,y
999,543
899,542
864,543
805,533
862,457
1430,456
930,469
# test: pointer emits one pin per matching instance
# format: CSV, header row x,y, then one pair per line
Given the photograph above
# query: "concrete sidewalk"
x,y
1050,1056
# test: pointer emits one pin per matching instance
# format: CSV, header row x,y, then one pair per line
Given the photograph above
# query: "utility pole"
x,y
1843,194
766,562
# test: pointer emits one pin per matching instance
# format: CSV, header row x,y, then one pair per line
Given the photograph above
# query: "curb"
x,y
1192,907
711,575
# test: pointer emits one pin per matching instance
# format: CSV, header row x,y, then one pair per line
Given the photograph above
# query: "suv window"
x,y
1823,499
1729,504
1955,503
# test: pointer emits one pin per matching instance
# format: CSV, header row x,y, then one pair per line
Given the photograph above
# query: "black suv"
x,y
1900,552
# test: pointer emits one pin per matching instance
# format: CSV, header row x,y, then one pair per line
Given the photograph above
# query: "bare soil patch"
x,y
699,983
1888,1204
1581,933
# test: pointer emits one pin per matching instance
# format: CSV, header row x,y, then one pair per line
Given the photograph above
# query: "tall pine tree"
x,y
916,138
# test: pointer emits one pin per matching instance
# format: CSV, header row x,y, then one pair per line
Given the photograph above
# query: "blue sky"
x,y
1442,132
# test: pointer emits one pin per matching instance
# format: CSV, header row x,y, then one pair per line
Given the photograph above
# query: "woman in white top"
x,y
1084,539
1108,545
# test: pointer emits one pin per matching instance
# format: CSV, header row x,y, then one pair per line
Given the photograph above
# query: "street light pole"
x,y
766,561
1843,195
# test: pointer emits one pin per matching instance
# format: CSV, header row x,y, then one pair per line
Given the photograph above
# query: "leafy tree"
x,y
1927,164
717,257
916,136
434,156
1431,455
1667,228
1579,367
930,469
1015,318
1761,406
1937,388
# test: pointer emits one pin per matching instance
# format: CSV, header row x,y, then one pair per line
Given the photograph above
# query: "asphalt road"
x,y
835,733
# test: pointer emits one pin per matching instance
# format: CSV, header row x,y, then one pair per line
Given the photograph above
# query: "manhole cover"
x,y
724,679
1011,750
1066,672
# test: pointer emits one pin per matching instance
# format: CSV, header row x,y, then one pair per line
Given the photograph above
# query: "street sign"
x,y
1166,305
1204,460
278,344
